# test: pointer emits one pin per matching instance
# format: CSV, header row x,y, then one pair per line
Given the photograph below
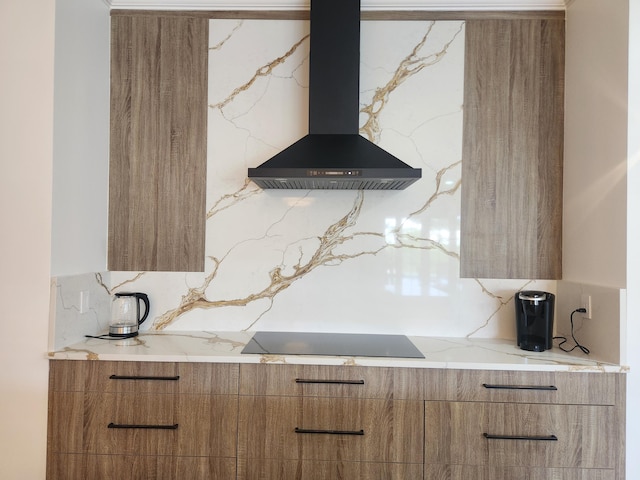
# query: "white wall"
x,y
81,137
26,128
602,171
594,229
28,32
632,337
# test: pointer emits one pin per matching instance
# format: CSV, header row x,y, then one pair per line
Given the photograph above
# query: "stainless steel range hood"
x,y
333,155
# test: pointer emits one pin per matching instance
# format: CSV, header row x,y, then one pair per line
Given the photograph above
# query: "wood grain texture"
x,y
252,469
66,466
454,435
67,375
392,429
132,467
466,472
157,171
618,444
378,382
64,426
205,424
511,216
193,378
572,388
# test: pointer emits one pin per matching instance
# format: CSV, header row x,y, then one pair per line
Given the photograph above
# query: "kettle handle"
x,y
145,299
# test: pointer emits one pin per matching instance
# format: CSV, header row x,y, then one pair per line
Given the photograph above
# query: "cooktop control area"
x,y
340,344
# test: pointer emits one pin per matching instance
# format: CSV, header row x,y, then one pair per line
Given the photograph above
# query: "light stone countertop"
x,y
226,347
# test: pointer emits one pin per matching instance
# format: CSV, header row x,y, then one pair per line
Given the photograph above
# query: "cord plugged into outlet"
x,y
585,304
563,340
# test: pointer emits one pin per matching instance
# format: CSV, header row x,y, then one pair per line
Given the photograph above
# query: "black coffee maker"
x,y
534,320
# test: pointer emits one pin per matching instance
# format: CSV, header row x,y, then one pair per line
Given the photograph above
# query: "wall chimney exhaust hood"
x,y
333,155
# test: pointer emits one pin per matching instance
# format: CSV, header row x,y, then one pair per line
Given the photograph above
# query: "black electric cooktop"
x,y
341,344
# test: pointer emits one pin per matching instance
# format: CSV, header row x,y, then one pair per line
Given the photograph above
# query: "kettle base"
x,y
123,330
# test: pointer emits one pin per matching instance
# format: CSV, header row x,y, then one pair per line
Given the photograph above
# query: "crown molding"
x,y
366,5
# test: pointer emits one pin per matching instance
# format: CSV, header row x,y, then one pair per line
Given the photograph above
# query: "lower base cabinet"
x,y
142,420
527,426
197,421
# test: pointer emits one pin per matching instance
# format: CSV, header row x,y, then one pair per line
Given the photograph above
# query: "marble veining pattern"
x,y
332,261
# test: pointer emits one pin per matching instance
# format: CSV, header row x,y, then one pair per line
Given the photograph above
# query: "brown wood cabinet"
x,y
317,422
127,420
529,425
327,422
157,169
511,216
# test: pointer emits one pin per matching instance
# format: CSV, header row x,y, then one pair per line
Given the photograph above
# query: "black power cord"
x,y
584,349
113,337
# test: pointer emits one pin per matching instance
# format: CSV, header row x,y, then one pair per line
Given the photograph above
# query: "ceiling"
x,y
370,5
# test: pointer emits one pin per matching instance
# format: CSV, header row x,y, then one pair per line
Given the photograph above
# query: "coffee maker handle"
x,y
145,299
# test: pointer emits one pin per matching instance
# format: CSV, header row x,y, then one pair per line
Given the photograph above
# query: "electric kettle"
x,y
125,314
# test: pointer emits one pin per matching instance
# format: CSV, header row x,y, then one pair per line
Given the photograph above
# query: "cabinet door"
x,y
510,435
511,217
333,429
157,180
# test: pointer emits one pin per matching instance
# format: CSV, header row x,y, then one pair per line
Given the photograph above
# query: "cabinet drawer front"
x,y
310,428
537,435
525,387
160,377
258,469
132,467
331,381
147,424
466,472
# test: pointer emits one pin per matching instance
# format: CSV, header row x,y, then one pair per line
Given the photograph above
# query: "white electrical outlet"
x,y
585,302
84,301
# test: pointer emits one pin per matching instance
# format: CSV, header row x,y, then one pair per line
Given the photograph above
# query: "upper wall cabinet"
x,y
157,171
511,217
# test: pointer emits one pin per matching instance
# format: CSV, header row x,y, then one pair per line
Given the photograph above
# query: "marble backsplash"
x,y
341,261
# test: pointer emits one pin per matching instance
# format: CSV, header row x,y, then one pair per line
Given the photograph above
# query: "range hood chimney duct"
x,y
333,155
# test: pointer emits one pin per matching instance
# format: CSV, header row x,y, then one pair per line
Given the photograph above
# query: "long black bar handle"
x,y
142,377
542,438
521,387
329,432
333,382
147,427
